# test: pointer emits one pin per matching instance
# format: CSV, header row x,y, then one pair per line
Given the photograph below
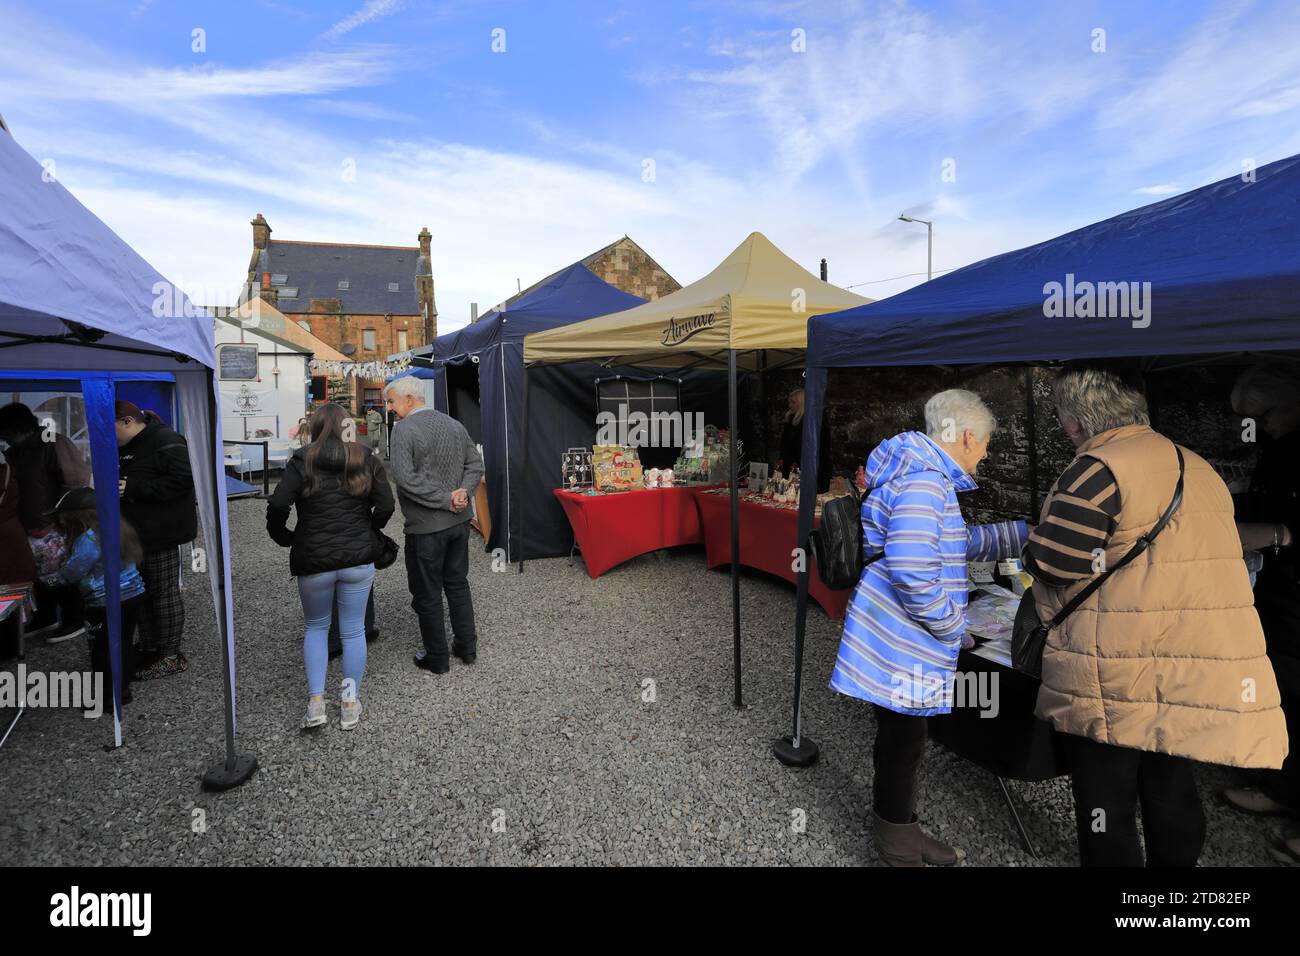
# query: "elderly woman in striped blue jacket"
x,y
906,621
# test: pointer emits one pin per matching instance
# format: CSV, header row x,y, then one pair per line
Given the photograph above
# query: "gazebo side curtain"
x,y
197,406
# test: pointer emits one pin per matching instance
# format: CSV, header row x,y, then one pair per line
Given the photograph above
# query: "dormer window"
x,y
343,285
279,278
394,287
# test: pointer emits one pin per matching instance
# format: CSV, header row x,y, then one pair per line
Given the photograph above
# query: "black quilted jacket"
x,y
334,529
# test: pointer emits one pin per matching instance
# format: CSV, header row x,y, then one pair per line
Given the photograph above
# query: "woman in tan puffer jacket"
x,y
1165,664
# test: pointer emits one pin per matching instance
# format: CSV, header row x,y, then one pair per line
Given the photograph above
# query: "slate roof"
x,y
315,269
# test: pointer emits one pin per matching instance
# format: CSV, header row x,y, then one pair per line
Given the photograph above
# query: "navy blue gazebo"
x,y
1212,273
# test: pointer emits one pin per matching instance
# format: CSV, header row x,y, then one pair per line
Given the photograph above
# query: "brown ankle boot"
x,y
906,844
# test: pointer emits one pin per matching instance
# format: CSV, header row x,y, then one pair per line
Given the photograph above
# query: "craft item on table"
x,y
653,477
707,461
576,469
979,573
666,478
615,467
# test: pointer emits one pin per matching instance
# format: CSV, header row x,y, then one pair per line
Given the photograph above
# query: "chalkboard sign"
x,y
237,363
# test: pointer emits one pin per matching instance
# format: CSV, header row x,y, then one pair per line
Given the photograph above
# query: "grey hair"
x,y
1261,388
948,414
1099,400
407,385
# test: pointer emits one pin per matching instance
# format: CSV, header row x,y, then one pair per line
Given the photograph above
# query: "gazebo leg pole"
x,y
523,473
735,521
798,750
237,767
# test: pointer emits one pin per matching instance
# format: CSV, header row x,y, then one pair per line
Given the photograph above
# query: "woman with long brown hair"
x,y
342,497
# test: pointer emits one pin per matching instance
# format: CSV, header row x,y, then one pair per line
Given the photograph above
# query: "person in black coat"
x,y
1268,520
342,497
157,491
791,447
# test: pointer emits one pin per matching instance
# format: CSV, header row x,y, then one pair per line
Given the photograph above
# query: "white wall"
x,y
286,393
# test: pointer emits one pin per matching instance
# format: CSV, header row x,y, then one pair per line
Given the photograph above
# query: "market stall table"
x,y
16,602
614,527
993,725
768,536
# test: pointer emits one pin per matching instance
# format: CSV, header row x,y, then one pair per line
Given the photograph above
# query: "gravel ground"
x,y
544,752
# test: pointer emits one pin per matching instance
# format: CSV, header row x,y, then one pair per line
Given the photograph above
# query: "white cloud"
x,y
373,10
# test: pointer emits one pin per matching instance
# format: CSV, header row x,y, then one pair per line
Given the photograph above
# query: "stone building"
x,y
866,406
624,265
368,302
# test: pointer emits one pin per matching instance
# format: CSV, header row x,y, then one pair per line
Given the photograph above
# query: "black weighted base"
x,y
805,755
220,778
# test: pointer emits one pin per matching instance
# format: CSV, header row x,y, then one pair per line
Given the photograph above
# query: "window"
x,y
401,340
304,325
279,278
394,287
368,339
288,292
374,396
344,285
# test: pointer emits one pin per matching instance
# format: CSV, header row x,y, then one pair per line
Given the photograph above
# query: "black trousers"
x,y
1110,783
51,600
900,745
438,563
97,632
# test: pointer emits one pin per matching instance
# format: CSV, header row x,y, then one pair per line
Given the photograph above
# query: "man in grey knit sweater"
x,y
437,468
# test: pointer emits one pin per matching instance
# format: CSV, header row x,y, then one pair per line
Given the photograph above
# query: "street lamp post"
x,y
929,244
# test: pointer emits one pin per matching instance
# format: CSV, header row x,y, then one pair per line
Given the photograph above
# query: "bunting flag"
x,y
371,370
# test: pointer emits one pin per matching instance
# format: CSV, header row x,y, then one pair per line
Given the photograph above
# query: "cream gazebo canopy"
x,y
752,311
758,298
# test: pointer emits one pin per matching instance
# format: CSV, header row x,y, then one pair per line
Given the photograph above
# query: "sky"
x,y
527,135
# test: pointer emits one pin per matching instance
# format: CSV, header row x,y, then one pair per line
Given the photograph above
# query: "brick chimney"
x,y
268,292
424,288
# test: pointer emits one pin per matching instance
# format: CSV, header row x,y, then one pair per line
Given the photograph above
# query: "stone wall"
x,y
866,406
626,266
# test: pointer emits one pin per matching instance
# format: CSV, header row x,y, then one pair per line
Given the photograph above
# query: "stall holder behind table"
x,y
613,527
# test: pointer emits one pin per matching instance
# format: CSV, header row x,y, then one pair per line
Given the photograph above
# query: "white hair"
x,y
407,385
948,414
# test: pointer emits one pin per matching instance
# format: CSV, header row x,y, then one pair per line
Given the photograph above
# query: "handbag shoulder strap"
x,y
1139,546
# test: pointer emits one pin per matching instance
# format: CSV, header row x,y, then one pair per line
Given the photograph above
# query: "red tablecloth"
x,y
767,538
613,528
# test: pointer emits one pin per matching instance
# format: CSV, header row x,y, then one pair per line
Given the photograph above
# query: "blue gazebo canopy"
x,y
1222,263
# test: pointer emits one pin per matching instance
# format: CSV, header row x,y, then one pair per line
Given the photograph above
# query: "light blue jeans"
x,y
351,587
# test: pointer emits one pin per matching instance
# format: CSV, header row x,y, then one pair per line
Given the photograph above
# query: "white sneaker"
x,y
315,714
350,715
60,636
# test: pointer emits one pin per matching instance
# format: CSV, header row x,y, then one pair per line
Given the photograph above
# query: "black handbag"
x,y
385,551
1029,633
